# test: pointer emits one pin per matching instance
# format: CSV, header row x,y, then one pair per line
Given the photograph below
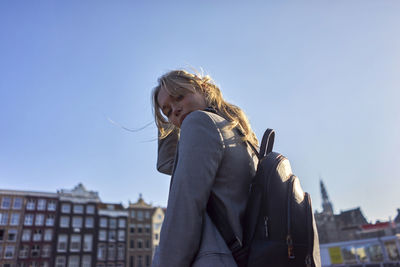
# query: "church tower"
x,y
326,204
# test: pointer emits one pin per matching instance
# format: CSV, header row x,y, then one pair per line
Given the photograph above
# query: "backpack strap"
x,y
216,210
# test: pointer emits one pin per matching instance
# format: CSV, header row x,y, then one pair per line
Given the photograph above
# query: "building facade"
x,y
76,231
143,233
27,228
111,245
73,228
337,227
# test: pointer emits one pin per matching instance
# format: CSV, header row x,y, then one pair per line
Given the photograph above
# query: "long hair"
x,y
181,82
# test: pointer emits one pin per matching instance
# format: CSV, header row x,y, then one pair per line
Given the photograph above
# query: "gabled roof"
x,y
351,217
140,204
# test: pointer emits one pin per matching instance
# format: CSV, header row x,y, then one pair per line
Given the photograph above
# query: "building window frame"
x,y
6,203
17,203
41,204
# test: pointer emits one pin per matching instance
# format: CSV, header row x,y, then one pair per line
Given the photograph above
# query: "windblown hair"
x,y
181,82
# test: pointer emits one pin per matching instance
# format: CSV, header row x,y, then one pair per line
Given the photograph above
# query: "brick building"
x,y
112,225
73,228
76,231
27,228
143,233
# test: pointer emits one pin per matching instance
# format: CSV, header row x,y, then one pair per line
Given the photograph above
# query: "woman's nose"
x,y
176,110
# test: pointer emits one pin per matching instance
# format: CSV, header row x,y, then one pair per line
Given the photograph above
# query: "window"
x,y
64,221
132,243
30,205
12,235
51,205
39,220
121,252
73,261
46,251
111,252
17,203
121,223
111,236
24,251
1,239
62,243
132,229
147,214
6,203
41,205
60,261
26,235
75,243
48,235
103,222
139,243
14,219
147,226
65,208
28,219
140,226
90,209
77,222
140,261
87,242
50,220
78,208
140,215
9,252
35,251
121,235
113,223
89,222
37,235
392,250
132,261
3,218
132,214
147,260
102,235
101,252
86,261
147,243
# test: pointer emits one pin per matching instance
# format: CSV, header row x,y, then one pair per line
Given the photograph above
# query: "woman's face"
x,y
177,108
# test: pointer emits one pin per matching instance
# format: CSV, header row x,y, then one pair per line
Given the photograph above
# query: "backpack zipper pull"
x,y
308,260
266,225
289,242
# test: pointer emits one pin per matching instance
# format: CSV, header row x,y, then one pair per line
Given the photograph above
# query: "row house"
x,y
27,228
73,228
76,231
143,232
111,225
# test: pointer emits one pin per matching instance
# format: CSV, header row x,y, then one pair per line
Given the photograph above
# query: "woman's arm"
x,y
200,153
166,152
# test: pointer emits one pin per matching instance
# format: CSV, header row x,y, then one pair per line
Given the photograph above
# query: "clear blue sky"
x,y
323,74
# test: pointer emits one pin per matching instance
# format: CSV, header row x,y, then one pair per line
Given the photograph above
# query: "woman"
x,y
203,143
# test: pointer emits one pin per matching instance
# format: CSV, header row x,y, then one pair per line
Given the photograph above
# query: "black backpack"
x,y
279,227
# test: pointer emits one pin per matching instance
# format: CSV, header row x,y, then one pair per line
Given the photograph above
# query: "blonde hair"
x,y
181,82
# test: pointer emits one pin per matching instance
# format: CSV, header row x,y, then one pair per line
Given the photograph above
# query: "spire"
x,y
326,204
